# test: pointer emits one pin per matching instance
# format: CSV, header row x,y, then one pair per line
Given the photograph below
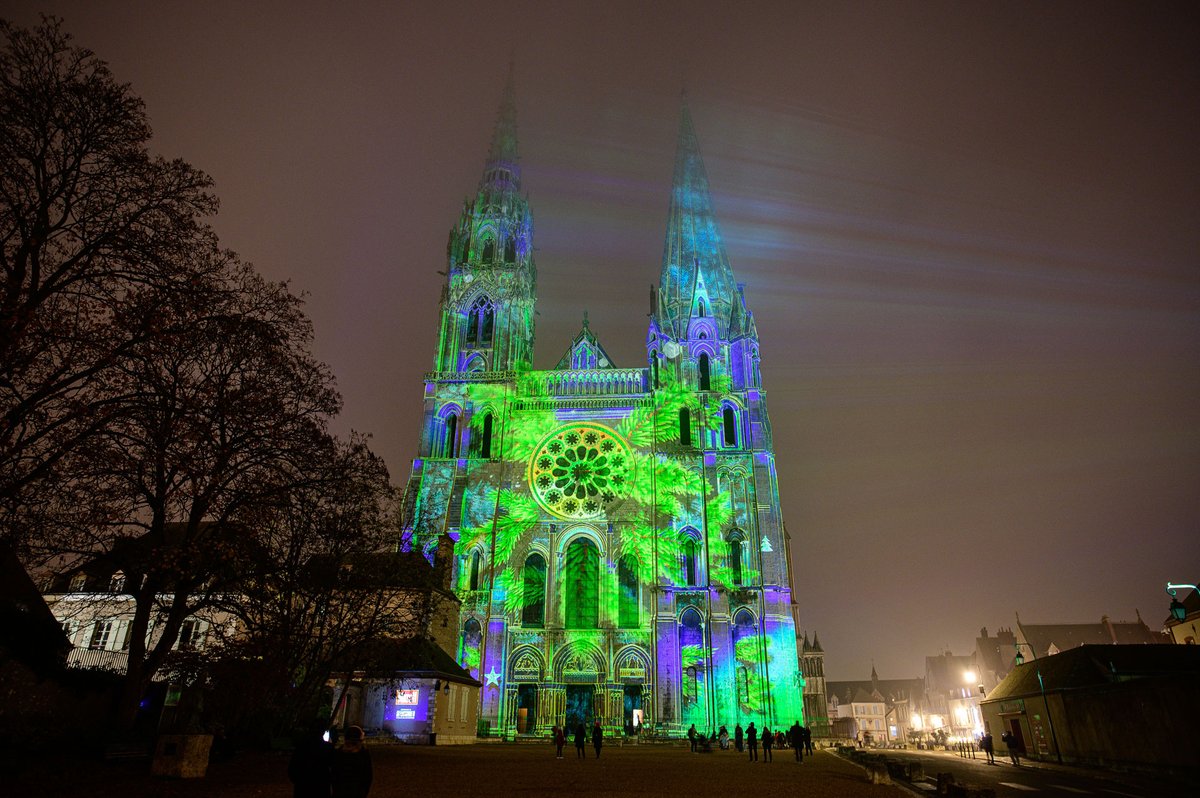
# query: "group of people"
x,y
798,738
559,735
319,769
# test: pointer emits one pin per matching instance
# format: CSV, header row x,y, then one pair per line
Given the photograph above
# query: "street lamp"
x,y
1178,611
1020,660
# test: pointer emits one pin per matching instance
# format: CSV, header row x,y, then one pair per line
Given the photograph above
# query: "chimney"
x,y
1112,633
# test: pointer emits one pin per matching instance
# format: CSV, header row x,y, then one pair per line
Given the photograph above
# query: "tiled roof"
x,y
1092,665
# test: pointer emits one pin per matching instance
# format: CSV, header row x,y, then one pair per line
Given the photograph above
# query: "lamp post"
x,y
1178,611
1020,660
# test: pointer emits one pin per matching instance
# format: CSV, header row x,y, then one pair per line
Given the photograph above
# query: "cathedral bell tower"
x,y
487,302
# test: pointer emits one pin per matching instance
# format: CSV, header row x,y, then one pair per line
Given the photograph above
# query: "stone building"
x,y
615,532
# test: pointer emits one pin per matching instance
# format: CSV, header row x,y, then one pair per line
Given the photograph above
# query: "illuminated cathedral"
x,y
616,536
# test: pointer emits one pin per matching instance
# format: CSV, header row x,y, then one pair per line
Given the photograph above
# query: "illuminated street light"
x,y
1178,611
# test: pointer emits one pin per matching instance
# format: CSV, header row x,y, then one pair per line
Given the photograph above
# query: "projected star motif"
x,y
492,677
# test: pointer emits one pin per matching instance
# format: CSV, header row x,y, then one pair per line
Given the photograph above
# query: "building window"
x,y
117,583
685,426
705,375
689,561
78,582
627,610
101,635
480,322
449,443
489,249
729,426
473,577
583,585
485,447
735,560
510,250
533,608
191,634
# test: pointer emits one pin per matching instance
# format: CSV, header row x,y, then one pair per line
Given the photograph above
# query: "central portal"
x,y
580,698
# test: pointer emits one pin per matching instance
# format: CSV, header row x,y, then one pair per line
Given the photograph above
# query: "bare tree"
x,y
90,225
329,590
219,412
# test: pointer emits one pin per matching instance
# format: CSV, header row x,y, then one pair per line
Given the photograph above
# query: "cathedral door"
x,y
580,698
526,708
633,708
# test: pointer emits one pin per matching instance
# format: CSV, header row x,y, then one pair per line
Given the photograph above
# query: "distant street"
x,y
1036,778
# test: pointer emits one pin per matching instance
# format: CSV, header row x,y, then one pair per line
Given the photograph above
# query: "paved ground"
x,y
488,771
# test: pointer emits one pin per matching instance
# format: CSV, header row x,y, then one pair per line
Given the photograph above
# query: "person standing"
x,y
796,733
737,738
692,736
352,774
768,739
597,738
806,734
560,740
723,738
310,768
985,742
752,742
580,741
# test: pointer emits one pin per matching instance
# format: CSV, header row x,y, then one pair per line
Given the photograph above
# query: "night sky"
x,y
969,232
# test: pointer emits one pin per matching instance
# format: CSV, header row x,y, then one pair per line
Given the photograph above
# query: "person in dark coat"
x,y
985,742
310,768
560,739
768,740
580,742
692,737
597,738
752,742
806,733
352,774
737,738
796,737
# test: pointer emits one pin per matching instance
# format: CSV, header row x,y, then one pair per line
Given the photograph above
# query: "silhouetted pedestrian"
x,y
752,742
986,743
768,739
311,767
597,738
580,742
560,740
806,733
352,774
796,735
691,734
737,737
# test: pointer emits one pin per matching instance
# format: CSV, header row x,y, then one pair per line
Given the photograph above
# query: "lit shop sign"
x,y
406,704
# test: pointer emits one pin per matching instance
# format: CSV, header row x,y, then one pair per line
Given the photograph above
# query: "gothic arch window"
x,y
654,365
583,585
510,249
737,550
691,663
627,597
481,320
473,574
489,249
476,363
533,607
729,426
690,552
705,373
485,443
701,309
685,426
450,438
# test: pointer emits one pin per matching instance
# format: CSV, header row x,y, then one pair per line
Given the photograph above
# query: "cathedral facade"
x,y
614,533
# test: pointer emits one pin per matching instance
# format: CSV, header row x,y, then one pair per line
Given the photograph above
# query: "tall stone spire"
x,y
502,165
695,267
